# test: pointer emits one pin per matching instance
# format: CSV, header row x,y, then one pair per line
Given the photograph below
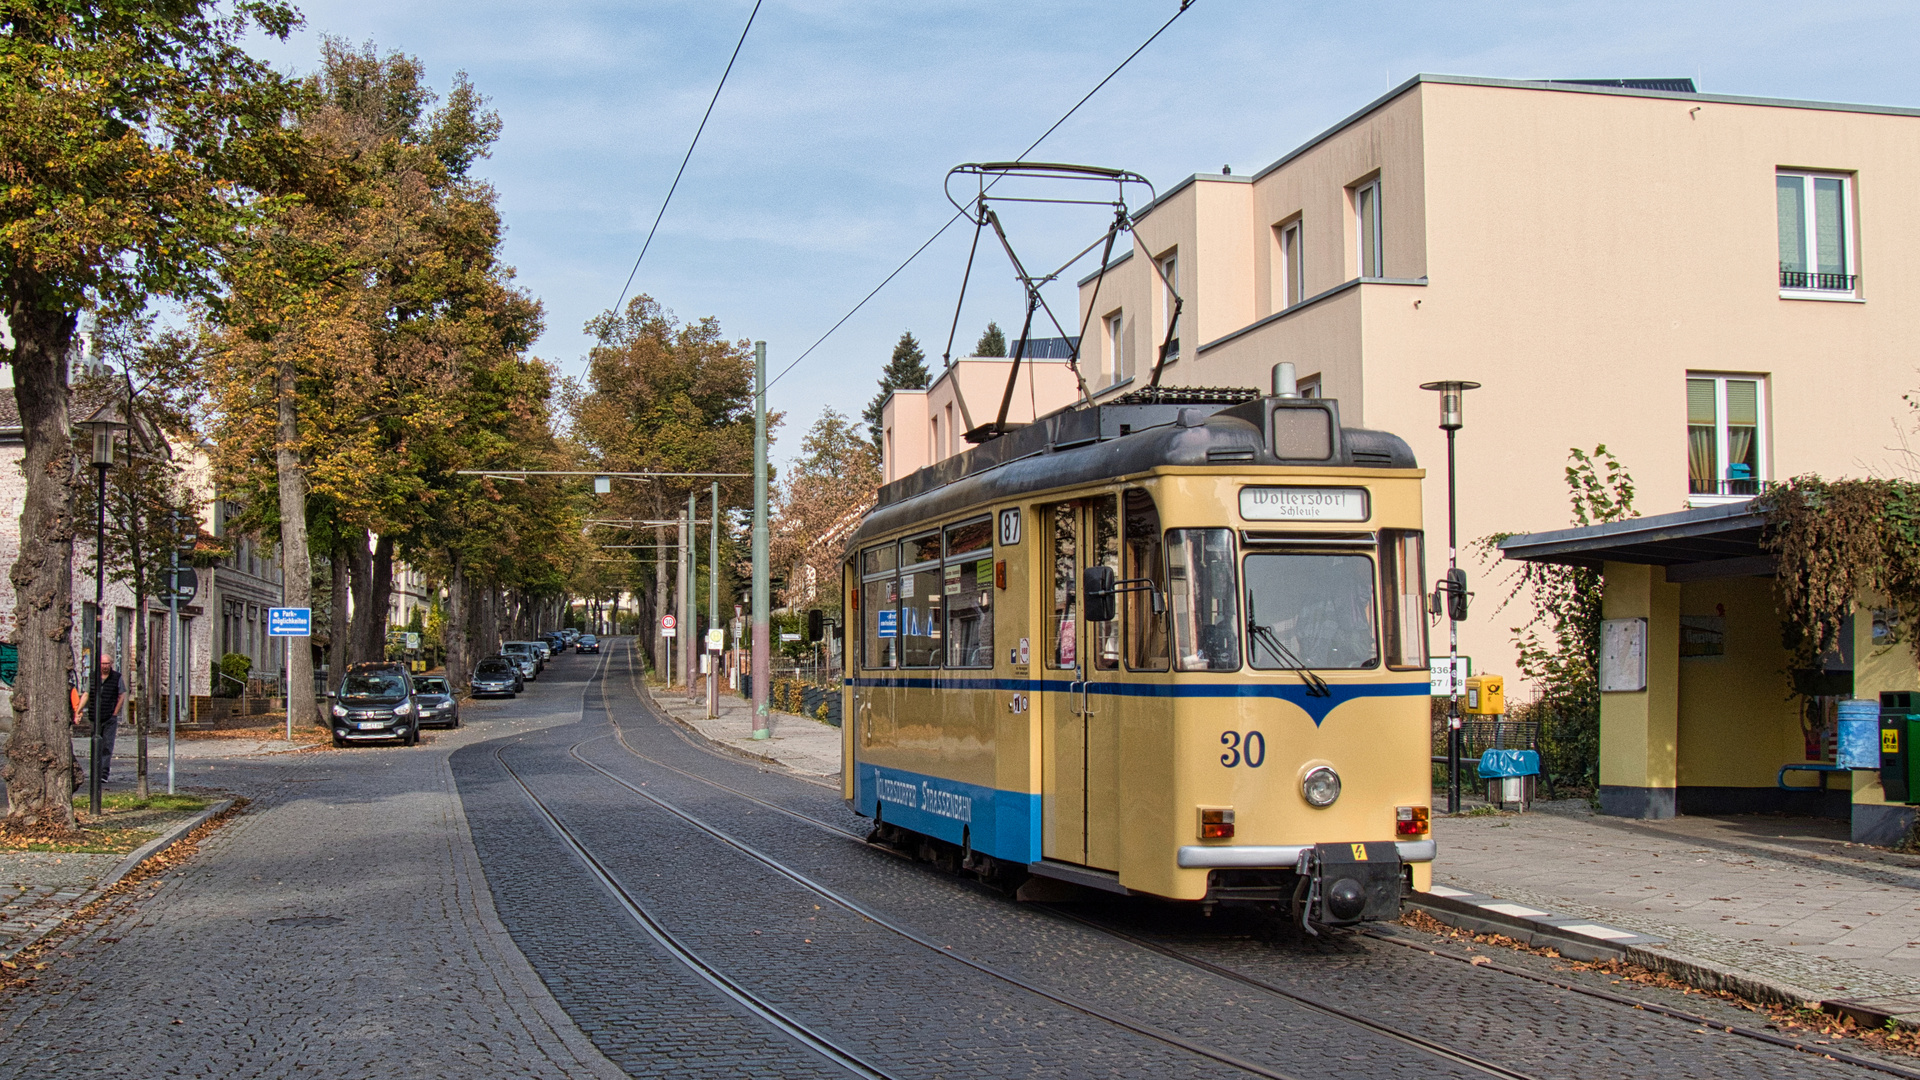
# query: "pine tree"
x,y
992,342
907,370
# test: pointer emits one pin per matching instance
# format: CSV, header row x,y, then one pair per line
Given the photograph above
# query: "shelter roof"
x,y
1705,542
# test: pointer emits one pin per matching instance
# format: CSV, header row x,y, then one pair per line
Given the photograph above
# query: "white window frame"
x,y
1116,346
1292,272
1812,239
1308,386
1763,465
1169,288
1366,211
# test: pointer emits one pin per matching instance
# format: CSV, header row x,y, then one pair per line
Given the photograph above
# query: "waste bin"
x,y
1899,725
1858,746
1510,776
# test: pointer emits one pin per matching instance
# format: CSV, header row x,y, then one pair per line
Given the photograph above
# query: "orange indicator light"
x,y
1216,822
1410,820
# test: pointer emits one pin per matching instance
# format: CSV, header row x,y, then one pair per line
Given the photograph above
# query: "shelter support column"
x,y
1639,729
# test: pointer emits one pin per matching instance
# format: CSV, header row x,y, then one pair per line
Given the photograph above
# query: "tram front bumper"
x,y
1280,857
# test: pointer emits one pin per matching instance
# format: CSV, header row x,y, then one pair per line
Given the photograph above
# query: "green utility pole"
x,y
689,620
713,603
762,659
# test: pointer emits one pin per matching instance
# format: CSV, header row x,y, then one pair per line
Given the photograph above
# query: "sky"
x,y
822,166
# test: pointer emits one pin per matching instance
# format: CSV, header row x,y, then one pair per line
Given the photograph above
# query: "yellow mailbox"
x,y
1486,696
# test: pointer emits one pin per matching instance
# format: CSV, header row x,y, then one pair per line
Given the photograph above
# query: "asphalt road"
x,y
568,886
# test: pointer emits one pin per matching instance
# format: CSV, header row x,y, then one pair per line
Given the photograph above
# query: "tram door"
x,y
1080,751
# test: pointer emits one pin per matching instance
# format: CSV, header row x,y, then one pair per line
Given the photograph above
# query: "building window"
x,y
1366,212
933,442
1293,286
1726,440
953,437
1308,386
1116,348
1170,288
1816,232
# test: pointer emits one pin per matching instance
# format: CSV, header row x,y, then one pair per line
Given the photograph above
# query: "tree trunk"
x,y
364,645
296,564
340,626
39,769
380,596
454,631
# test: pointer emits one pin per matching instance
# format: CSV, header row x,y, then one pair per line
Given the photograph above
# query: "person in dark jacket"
x,y
108,712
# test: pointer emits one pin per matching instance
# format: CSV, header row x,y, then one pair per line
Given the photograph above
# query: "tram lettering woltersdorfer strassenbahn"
x,y
1172,644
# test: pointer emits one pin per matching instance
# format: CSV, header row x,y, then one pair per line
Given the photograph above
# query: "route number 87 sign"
x,y
1009,527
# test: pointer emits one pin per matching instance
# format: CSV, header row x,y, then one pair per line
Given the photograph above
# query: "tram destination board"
x,y
1303,503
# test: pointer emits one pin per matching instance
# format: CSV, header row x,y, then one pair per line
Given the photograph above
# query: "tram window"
x,y
1403,587
920,601
877,560
1311,611
1106,552
969,536
880,625
1202,599
1140,558
1061,651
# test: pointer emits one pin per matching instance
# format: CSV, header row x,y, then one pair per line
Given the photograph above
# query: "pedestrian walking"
x,y
107,711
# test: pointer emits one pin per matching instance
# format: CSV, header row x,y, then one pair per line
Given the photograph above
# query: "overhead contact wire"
x,y
941,231
675,186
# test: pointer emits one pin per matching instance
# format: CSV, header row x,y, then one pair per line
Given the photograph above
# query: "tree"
x,y
669,397
131,136
817,505
906,370
1560,642
992,342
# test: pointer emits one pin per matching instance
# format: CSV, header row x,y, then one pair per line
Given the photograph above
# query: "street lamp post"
x,y
103,425
1452,399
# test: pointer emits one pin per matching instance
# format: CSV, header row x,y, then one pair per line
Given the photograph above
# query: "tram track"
x,y
1462,1058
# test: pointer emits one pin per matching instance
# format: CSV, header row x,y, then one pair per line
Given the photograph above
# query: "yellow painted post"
x,y
1639,730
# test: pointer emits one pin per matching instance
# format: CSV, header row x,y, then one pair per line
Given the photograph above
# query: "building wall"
x,y
1578,252
1738,722
921,427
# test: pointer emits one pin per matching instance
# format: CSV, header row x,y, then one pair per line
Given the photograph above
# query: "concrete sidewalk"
x,y
1787,906
805,745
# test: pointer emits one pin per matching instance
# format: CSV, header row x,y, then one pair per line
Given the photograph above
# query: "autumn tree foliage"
x,y
134,138
823,496
661,396
370,344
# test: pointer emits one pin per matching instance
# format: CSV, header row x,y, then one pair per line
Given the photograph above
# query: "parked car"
x,y
375,701
434,695
496,676
572,635
588,643
557,641
526,655
546,648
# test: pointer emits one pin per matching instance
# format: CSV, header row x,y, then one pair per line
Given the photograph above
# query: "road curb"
x,y
127,866
1590,940
725,748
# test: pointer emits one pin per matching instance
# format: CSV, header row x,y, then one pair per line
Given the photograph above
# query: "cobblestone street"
x,y
569,886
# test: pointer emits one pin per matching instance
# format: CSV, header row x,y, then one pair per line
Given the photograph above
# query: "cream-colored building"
x,y
1719,289
921,427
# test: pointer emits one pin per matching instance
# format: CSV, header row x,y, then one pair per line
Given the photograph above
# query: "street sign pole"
x,y
688,574
713,603
173,650
289,623
762,658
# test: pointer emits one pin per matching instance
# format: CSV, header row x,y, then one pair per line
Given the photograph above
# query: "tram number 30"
x,y
1249,749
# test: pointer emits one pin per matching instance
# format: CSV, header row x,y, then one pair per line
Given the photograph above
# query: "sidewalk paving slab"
x,y
806,746
1773,908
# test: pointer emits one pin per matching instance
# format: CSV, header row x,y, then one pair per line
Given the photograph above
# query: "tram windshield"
x,y
1311,611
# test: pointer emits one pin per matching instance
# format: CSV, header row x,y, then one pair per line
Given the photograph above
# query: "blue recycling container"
x,y
1496,763
1859,743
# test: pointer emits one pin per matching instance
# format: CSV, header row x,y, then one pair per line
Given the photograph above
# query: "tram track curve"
x,y
1381,1028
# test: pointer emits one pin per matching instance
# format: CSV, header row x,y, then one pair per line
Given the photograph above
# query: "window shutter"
x,y
1743,402
1700,408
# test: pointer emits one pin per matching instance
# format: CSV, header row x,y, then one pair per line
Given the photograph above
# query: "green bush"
x,y
235,667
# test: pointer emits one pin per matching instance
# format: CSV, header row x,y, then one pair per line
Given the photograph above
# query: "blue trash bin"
x,y
1510,776
1859,742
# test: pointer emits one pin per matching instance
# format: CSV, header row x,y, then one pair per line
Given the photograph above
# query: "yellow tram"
x,y
1174,644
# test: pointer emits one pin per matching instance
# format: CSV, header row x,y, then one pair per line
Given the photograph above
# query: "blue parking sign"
x,y
289,622
889,622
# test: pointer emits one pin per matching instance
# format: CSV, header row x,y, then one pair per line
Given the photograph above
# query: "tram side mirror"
x,y
816,624
1099,582
1456,590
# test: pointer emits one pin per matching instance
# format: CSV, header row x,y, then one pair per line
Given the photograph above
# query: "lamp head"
x,y
1453,393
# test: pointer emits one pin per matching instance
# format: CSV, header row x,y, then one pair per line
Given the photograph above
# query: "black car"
x,y
375,701
434,695
496,676
588,643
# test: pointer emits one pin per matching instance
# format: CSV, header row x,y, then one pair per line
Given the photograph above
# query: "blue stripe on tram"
x,y
1004,824
1315,707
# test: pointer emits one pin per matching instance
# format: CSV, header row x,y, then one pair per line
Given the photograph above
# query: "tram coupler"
x,y
1343,884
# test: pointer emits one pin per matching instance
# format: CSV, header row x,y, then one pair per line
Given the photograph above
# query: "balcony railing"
x,y
1802,279
1741,488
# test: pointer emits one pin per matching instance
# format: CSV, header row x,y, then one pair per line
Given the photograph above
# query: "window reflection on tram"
x,y
1311,611
1200,581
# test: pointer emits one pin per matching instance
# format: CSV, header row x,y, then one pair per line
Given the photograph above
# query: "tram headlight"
x,y
1320,786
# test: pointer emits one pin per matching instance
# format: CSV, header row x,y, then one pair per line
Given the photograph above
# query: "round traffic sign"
x,y
668,622
186,583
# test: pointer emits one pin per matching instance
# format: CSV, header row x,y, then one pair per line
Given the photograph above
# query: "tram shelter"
x,y
1699,712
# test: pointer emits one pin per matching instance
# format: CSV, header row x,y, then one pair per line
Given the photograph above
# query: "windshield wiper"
x,y
1316,686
